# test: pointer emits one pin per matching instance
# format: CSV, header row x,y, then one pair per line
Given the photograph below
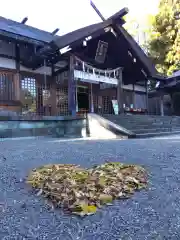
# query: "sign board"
x,y
101,51
115,107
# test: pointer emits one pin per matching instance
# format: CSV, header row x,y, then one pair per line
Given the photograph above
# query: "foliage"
x,y
164,40
131,26
82,191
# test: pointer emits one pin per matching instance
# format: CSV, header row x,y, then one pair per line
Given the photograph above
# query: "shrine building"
x,y
92,69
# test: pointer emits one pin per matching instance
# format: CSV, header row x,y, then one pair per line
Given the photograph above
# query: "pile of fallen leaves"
x,y
82,191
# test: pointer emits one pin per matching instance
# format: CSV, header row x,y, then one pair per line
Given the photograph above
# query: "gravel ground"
x,y
152,214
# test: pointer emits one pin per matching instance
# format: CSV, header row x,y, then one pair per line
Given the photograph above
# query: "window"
x,y
28,94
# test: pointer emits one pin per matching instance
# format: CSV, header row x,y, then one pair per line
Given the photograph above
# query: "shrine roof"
x,y
75,38
13,29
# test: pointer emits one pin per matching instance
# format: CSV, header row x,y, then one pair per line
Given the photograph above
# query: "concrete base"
x,y
55,128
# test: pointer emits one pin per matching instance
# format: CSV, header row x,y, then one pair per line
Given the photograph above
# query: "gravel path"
x,y
153,214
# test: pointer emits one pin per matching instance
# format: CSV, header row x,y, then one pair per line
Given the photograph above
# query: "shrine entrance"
x,y
82,99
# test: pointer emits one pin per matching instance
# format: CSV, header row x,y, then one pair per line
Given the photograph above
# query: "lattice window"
x,y
28,95
46,94
62,101
105,101
7,88
62,78
95,102
107,104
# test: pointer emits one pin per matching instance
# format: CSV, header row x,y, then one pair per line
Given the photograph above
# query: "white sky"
x,y
68,15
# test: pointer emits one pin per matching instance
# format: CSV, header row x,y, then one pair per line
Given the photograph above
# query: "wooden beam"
x,y
61,70
52,70
24,20
97,11
17,57
55,31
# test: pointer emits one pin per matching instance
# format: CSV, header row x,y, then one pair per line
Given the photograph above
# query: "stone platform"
x,y
61,127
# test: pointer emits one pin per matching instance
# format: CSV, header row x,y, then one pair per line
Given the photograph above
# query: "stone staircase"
x,y
145,126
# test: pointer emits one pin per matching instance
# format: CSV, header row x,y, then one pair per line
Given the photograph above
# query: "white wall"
x,y
11,64
7,63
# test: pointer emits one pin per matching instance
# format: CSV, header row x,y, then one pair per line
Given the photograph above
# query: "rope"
x,y
89,68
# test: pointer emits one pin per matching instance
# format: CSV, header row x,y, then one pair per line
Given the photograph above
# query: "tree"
x,y
164,40
131,26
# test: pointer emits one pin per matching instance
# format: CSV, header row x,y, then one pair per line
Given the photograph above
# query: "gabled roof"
x,y
82,33
10,26
140,54
115,21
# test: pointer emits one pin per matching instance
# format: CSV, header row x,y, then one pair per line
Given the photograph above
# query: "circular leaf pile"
x,y
81,191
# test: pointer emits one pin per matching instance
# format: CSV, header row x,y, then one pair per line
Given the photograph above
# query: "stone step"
x,y
153,130
147,126
143,120
136,123
157,134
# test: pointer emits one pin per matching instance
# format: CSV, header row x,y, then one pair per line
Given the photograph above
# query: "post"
x,y
77,107
53,93
92,102
71,88
161,105
120,93
133,96
45,89
17,75
147,98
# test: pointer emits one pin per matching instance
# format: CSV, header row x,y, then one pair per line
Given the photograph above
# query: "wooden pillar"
x,y
172,103
147,97
53,93
161,105
133,97
17,77
120,93
39,98
92,101
71,88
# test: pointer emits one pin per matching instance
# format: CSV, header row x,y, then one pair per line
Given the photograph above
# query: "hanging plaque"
x,y
101,51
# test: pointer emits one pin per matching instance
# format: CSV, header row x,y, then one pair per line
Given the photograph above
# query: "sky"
x,y
68,15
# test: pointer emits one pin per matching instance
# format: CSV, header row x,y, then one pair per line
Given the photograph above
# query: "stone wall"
x,y
54,128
